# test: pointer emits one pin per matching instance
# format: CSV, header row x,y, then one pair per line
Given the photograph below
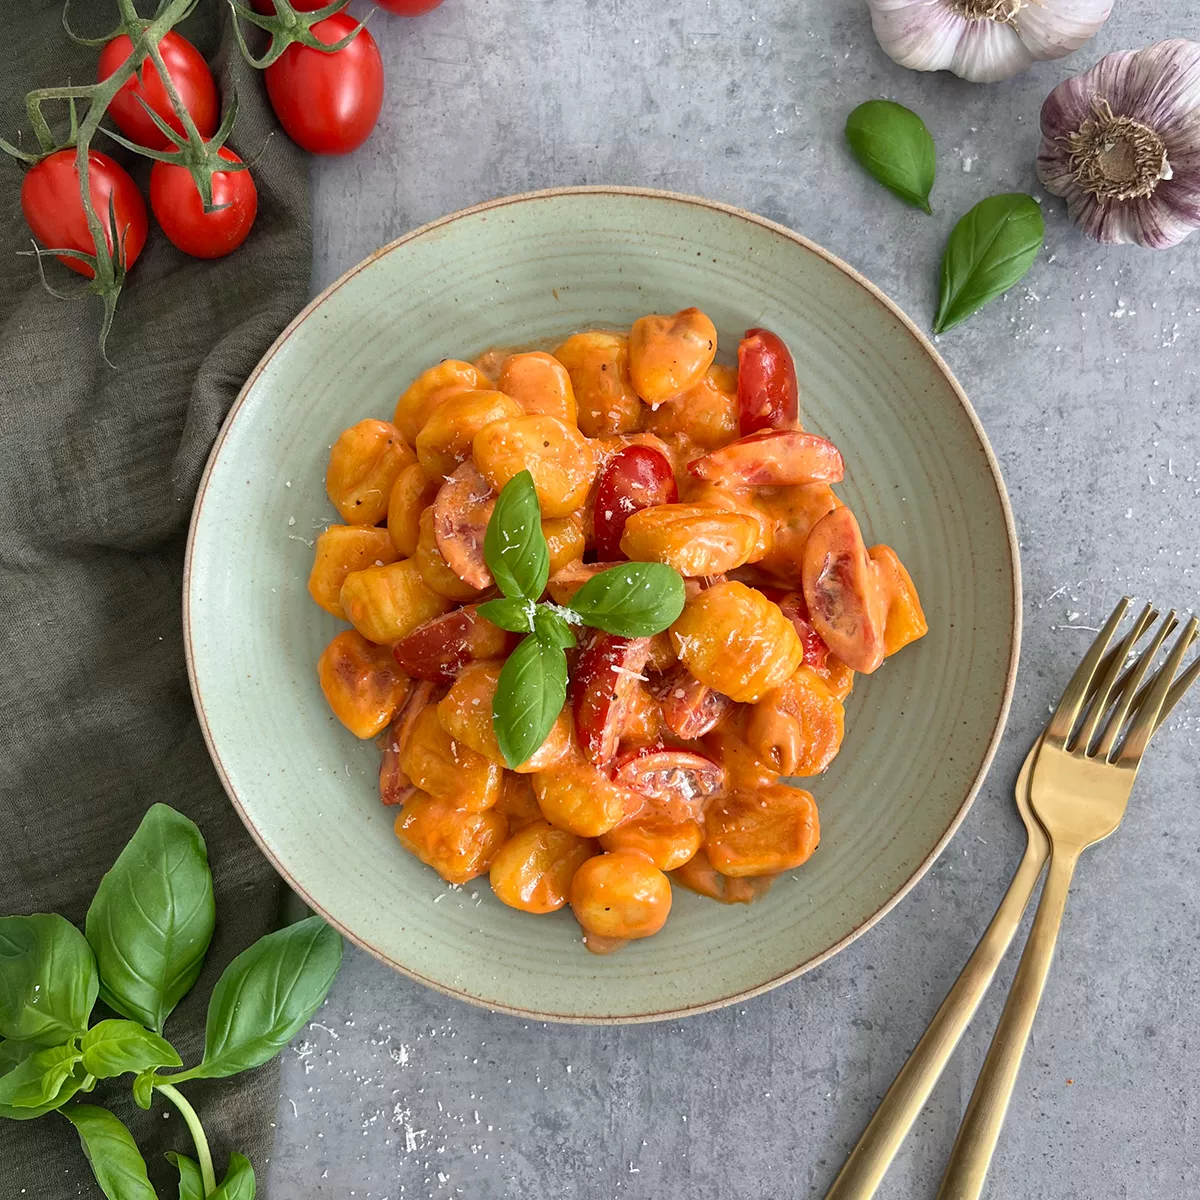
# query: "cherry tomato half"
x,y
53,207
176,202
328,103
602,683
634,478
768,396
191,76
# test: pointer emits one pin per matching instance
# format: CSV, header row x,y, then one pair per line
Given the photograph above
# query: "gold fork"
x,y
871,1157
1078,789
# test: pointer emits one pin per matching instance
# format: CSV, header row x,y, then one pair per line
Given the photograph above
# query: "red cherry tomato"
x,y
678,781
603,680
634,478
191,76
437,649
795,608
690,709
845,600
176,202
768,396
53,207
328,103
409,8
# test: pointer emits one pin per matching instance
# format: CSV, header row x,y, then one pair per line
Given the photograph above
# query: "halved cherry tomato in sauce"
x,y
690,709
772,458
607,671
634,478
768,396
395,787
437,649
678,781
842,588
460,518
795,608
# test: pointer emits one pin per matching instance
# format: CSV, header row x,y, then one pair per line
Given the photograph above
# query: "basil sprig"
x,y
635,599
148,931
892,143
990,249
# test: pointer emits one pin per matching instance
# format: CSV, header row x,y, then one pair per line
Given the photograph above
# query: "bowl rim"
x,y
924,344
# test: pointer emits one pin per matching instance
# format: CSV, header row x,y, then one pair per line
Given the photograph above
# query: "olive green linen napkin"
x,y
98,471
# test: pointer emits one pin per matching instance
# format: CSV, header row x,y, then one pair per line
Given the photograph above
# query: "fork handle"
x,y
870,1159
980,1128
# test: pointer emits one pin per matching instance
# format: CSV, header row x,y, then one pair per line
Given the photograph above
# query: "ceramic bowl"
x,y
530,269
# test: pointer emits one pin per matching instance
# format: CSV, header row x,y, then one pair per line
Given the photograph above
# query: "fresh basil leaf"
x,y
191,1182
265,997
47,979
552,628
143,1088
513,615
38,1079
636,599
116,1162
530,693
989,250
892,143
77,1080
152,918
514,546
119,1047
238,1183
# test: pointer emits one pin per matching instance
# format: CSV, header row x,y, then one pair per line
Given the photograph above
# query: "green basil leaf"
x,y
530,693
238,1183
514,546
47,979
152,918
265,997
552,628
116,1162
513,615
78,1080
892,143
191,1182
38,1079
989,250
636,599
119,1047
143,1088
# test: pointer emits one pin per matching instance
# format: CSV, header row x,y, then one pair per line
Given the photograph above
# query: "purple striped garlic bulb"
x,y
1121,143
984,40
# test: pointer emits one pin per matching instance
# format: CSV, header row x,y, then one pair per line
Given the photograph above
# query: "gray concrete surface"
x,y
1085,378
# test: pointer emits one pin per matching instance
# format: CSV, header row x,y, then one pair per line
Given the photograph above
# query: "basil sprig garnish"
x,y
989,250
893,144
148,930
635,599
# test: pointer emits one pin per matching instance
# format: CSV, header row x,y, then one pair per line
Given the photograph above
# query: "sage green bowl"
x,y
919,734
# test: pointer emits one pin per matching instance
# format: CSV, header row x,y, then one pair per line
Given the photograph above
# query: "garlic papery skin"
x,y
1121,143
984,40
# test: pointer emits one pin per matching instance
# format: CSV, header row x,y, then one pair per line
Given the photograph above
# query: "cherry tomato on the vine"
x,y
53,207
176,202
191,76
328,103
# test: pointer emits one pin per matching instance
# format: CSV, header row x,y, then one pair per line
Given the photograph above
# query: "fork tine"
x,y
1115,661
1124,705
1178,688
1067,712
1135,742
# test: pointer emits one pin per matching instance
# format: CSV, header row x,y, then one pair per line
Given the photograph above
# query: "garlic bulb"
x,y
984,40
1122,143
